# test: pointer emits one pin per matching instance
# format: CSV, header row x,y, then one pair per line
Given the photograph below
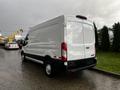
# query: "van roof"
x,y
74,18
60,19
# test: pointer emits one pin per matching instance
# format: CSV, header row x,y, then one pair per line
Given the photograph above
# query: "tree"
x,y
116,39
105,43
96,36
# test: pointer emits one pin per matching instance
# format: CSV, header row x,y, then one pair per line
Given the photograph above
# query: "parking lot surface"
x,y
15,75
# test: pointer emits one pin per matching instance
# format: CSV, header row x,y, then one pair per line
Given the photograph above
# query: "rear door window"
x,y
74,33
88,33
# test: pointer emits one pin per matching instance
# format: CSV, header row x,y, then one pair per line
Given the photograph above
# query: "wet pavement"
x,y
15,75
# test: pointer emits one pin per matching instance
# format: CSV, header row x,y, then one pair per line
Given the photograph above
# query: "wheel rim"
x,y
48,69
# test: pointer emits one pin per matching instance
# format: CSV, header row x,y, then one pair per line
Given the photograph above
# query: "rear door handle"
x,y
87,47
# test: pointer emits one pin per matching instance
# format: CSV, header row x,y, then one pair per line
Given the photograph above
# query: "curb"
x,y
106,72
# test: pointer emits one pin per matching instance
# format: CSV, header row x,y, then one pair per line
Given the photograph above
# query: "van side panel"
x,y
45,39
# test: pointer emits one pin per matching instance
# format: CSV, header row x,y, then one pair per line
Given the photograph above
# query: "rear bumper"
x,y
81,64
80,68
76,65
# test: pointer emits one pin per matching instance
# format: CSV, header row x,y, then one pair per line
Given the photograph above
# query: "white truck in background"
x,y
63,43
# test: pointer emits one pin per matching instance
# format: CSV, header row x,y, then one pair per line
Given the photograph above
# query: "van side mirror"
x,y
25,42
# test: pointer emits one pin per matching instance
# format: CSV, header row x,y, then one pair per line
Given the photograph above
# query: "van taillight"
x,y
63,51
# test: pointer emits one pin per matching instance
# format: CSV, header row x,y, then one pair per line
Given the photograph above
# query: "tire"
x,y
49,70
23,57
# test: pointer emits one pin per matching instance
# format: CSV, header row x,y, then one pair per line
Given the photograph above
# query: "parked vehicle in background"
x,y
13,38
2,40
12,45
63,43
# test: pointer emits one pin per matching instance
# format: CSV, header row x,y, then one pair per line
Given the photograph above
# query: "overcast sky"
x,y
15,14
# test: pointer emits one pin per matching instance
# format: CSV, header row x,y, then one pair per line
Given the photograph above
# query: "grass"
x,y
108,61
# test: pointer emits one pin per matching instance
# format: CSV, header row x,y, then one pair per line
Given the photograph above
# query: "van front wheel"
x,y
23,57
49,70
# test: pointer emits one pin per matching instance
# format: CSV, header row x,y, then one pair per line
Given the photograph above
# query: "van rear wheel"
x,y
49,70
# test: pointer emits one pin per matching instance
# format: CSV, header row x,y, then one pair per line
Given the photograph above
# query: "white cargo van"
x,y
63,43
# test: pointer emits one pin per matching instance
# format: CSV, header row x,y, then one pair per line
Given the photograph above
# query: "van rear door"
x,y
75,41
89,40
